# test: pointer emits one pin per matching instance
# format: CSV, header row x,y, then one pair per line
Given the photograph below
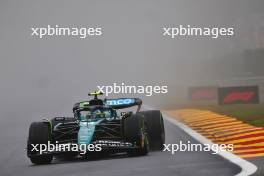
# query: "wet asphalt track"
x,y
14,161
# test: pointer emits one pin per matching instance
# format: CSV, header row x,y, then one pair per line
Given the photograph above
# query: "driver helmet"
x,y
96,113
107,114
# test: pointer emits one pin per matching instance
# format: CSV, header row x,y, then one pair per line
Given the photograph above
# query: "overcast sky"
x,y
44,77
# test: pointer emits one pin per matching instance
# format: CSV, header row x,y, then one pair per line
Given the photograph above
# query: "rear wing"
x,y
119,103
122,103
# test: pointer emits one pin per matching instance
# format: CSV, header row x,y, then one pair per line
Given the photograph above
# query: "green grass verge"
x,y
252,114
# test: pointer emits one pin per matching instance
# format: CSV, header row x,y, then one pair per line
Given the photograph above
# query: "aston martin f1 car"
x,y
100,128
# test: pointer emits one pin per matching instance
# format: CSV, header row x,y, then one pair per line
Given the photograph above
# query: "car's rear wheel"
x,y
39,133
136,132
156,130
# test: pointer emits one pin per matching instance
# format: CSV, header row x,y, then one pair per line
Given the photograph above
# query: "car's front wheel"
x,y
39,133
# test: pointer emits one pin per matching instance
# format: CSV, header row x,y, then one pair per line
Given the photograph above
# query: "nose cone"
x,y
86,132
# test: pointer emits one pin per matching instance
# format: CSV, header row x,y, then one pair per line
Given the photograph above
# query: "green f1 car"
x,y
96,128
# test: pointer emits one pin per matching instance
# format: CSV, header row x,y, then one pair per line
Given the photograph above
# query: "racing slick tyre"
x,y
39,133
135,131
156,131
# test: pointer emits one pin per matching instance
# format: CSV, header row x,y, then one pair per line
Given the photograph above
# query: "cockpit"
x,y
96,112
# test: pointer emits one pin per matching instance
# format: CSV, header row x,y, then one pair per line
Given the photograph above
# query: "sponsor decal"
x,y
203,93
110,143
238,95
84,104
125,101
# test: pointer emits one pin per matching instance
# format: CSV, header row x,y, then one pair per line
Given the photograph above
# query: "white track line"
x,y
247,168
